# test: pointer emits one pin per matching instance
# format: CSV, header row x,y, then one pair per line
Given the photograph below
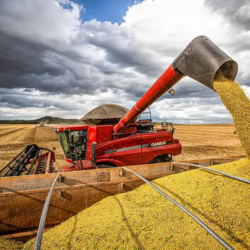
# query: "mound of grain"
x,y
10,244
143,219
238,105
45,134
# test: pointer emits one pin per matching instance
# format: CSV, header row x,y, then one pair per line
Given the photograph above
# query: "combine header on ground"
x,y
32,160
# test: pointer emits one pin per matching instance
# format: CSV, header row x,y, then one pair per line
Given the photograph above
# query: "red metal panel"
x,y
98,134
104,133
71,128
121,152
151,152
166,81
87,164
91,138
137,149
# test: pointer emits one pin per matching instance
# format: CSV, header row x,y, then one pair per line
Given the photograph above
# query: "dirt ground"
x,y
198,141
207,141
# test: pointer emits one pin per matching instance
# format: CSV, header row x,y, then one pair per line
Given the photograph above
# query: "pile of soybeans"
x,y
143,219
6,244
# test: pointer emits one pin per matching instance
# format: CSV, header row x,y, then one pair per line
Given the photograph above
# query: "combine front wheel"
x,y
161,158
105,165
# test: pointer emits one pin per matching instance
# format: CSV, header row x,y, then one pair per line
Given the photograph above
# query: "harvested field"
x,y
11,133
198,141
28,136
207,141
45,134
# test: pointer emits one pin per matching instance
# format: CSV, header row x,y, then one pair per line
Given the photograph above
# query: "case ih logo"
x,y
160,143
110,151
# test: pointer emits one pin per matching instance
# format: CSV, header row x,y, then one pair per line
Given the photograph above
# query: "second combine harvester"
x,y
109,141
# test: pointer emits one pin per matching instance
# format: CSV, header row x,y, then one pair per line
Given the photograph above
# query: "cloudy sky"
x,y
63,58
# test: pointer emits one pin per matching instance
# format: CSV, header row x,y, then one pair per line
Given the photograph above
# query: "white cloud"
x,y
43,20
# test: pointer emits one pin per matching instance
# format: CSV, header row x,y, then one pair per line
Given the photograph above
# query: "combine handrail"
x,y
43,217
212,170
210,231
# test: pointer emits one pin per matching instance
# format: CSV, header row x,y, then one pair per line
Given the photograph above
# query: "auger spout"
x,y
201,60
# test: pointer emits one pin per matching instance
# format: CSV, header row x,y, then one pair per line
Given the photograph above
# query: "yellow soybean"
x,y
10,244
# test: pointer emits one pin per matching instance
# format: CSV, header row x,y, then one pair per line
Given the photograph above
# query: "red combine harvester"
x,y
128,141
91,146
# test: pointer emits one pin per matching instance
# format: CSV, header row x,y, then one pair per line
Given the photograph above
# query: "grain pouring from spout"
x,y
238,104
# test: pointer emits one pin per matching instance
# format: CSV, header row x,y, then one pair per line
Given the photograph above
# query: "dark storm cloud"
x,y
18,101
237,12
130,54
191,88
56,66
19,57
34,61
23,66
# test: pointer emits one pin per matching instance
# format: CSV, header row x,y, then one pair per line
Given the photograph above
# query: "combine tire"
x,y
105,165
161,158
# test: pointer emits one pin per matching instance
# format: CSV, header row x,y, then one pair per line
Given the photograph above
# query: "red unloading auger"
x,y
202,60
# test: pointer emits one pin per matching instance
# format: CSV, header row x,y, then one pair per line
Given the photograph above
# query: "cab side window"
x,y
79,141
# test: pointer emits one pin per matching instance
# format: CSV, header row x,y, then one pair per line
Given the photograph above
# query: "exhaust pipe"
x,y
202,60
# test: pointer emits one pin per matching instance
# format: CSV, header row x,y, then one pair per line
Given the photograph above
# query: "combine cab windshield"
x,y
79,143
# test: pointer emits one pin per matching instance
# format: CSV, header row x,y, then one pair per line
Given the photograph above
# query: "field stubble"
x,y
207,141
